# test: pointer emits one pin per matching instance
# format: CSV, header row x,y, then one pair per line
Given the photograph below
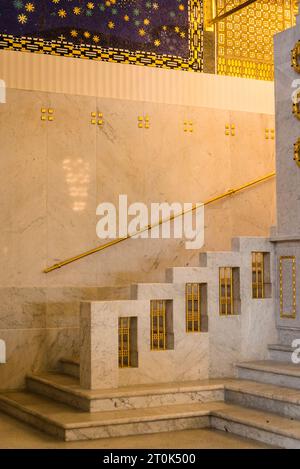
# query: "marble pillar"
x,y
286,235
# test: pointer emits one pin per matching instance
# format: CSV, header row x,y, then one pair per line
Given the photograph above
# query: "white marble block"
x,y
98,347
99,366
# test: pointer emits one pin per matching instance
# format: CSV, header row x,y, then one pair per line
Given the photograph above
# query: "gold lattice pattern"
x,y
158,325
193,307
226,291
124,343
258,275
245,39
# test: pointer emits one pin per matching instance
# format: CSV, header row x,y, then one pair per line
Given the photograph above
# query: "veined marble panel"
x,y
23,184
63,305
98,345
22,308
26,353
71,180
61,343
287,126
81,165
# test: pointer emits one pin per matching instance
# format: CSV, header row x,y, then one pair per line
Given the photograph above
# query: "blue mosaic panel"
x,y
160,26
159,33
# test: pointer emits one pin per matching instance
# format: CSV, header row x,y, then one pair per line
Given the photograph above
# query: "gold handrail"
x,y
149,227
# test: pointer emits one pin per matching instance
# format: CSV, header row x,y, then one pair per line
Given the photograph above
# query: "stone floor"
x,y
15,434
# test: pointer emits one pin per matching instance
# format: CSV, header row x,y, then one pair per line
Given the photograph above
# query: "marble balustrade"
x,y
198,355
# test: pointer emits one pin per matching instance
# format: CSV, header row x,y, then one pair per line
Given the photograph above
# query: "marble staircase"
x,y
278,373
280,400
70,424
55,403
171,391
67,389
280,352
69,366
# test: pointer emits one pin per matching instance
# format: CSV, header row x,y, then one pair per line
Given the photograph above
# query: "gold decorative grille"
x,y
226,291
193,307
158,325
245,39
124,343
258,275
287,298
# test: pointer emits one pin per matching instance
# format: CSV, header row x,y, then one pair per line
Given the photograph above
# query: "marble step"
x,y
269,397
257,425
66,389
70,367
270,372
70,424
280,352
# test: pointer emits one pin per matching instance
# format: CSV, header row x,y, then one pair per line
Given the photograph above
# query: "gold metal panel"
x,y
188,126
124,343
193,307
295,54
245,38
226,291
258,275
296,106
209,12
158,325
287,261
297,152
144,122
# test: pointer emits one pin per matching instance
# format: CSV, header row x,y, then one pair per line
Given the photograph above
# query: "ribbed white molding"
x,y
87,77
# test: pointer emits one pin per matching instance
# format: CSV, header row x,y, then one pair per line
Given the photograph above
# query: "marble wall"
x,y
55,173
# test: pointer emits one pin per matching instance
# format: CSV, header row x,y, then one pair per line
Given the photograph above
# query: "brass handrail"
x,y
149,227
